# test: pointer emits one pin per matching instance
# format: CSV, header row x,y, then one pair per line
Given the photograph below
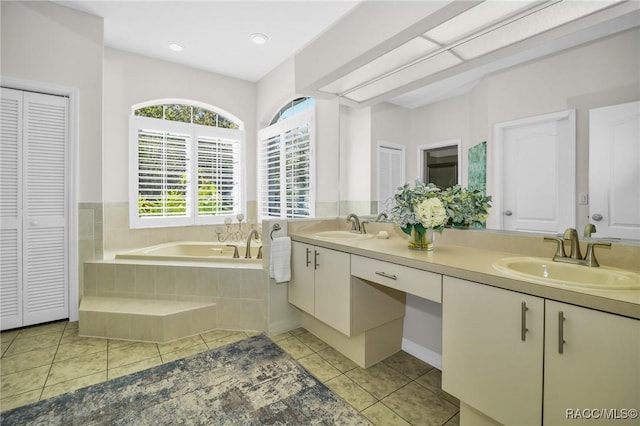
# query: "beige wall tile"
x,y
145,279
119,325
207,280
165,280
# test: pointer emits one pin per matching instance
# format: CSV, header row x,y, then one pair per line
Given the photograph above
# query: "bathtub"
x,y
193,251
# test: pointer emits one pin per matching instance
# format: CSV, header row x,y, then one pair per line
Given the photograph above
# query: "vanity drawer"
x,y
410,280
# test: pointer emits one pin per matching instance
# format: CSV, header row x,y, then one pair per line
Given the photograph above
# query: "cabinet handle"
x,y
308,261
384,274
523,321
315,259
561,341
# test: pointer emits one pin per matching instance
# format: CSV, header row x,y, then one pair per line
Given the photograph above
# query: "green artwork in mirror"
x,y
478,166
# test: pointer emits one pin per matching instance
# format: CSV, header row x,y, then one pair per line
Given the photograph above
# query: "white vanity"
x,y
514,352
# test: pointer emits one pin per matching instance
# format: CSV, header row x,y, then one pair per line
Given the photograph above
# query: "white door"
x,y
10,208
34,240
614,170
536,177
390,173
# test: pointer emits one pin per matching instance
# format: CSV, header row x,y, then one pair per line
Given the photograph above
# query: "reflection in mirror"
x,y
541,86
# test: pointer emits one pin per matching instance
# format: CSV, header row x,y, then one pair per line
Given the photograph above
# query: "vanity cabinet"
x,y
499,345
320,284
492,349
592,361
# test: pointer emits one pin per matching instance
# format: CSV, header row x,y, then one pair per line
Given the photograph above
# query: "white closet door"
x,y
390,174
10,208
45,243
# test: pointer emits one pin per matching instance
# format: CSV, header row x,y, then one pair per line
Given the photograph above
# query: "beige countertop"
x,y
475,264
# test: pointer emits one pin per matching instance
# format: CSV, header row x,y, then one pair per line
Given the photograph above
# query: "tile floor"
x,y
43,361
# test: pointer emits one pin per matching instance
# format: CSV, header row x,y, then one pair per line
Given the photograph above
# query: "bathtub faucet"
x,y
247,253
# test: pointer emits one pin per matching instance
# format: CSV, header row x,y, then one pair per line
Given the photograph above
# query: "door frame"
x,y
72,169
440,144
499,129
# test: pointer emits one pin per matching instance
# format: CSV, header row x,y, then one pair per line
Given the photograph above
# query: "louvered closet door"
x,y
45,272
10,209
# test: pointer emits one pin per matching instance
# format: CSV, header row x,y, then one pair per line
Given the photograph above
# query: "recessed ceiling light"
x,y
176,47
258,38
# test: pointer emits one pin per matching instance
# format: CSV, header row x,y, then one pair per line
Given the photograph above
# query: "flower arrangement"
x,y
466,207
419,208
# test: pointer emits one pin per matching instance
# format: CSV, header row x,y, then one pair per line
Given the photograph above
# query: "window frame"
x,y
194,131
280,128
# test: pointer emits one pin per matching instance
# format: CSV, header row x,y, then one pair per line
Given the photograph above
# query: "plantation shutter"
x,y
270,182
287,168
184,173
297,171
219,179
161,167
10,208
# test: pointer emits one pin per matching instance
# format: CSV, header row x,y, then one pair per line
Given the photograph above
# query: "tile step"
x,y
144,320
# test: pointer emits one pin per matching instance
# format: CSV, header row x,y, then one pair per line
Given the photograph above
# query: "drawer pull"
x,y
384,274
308,262
523,321
561,340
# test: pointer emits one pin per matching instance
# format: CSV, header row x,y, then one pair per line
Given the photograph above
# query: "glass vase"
x,y
422,241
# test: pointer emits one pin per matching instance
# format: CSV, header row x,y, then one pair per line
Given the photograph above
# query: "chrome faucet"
x,y
589,229
355,223
247,253
381,215
575,256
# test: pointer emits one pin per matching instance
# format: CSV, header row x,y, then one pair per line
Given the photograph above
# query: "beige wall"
x,y
48,43
130,79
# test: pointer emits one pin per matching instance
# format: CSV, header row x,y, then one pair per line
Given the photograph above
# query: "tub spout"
x,y
247,253
235,251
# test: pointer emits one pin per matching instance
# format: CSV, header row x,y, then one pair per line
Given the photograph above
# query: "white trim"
x,y
422,353
73,94
499,129
440,144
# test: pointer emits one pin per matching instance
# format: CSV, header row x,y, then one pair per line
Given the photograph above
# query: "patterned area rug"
x,y
251,382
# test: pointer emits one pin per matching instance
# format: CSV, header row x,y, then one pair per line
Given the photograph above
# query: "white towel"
x,y
280,264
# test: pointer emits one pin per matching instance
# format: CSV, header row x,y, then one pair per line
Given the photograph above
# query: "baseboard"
x,y
282,326
422,353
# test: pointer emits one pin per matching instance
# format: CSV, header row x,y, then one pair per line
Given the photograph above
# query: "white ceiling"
x,y
214,33
216,37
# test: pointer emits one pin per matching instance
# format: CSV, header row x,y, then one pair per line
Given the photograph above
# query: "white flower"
x,y
431,213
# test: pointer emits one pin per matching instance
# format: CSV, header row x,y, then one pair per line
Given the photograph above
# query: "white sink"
x,y
342,235
546,271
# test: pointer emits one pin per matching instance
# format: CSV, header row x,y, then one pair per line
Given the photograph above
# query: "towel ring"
x,y
274,228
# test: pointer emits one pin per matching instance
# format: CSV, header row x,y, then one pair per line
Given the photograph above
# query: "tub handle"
x,y
236,255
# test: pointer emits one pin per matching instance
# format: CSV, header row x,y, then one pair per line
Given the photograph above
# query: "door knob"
x,y
597,217
508,213
33,223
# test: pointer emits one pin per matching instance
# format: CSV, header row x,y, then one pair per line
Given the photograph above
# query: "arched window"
x,y
286,185
292,108
185,164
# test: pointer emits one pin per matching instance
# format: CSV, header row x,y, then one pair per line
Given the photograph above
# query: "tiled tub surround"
x,y
165,301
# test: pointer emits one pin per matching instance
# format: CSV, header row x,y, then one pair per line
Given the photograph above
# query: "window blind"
x,y
163,174
218,176
287,168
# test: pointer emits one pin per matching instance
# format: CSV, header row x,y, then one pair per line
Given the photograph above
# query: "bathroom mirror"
x,y
544,86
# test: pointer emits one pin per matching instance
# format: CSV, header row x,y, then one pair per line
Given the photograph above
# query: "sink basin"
x,y
342,235
546,271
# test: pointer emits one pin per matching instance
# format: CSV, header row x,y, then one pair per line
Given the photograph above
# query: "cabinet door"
x,y
488,360
333,289
301,286
596,367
